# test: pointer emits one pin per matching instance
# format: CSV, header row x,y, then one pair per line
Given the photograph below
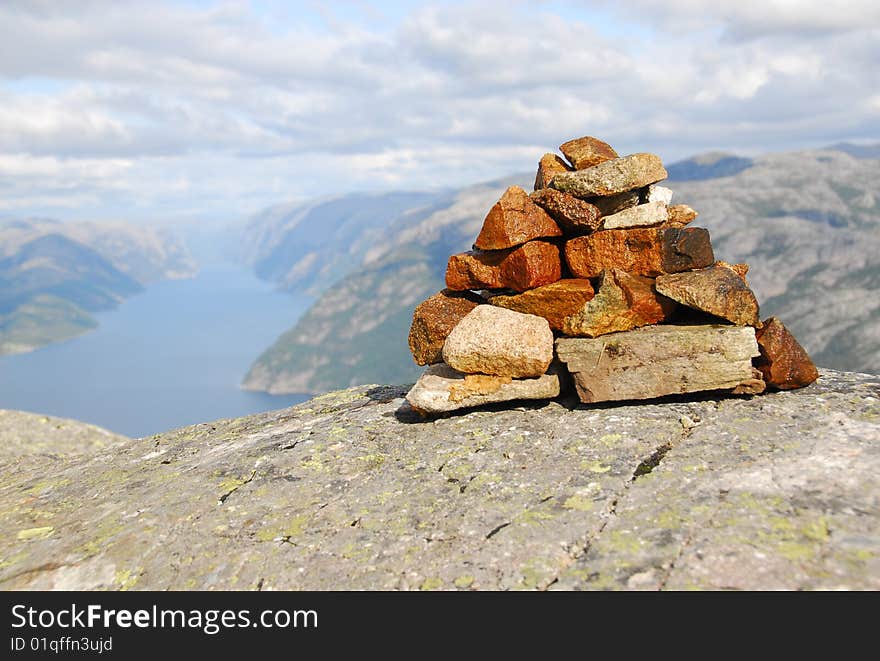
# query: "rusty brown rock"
x,y
530,265
514,220
475,269
740,269
553,302
718,290
642,251
623,302
680,214
548,167
587,151
434,319
783,361
533,264
612,177
575,217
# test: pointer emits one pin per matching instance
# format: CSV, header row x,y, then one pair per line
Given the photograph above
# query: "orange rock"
x,y
553,302
642,251
434,319
548,167
623,302
475,270
680,214
530,265
739,269
514,220
783,361
574,216
586,152
533,264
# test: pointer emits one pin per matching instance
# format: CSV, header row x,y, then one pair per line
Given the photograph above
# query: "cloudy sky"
x,y
152,109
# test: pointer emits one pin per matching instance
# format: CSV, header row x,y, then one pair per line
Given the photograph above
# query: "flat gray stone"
x,y
659,360
350,490
441,389
612,177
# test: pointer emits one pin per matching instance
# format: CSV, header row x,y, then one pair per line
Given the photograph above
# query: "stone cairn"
x,y
597,276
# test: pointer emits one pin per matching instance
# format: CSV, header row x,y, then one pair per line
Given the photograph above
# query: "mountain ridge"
x,y
54,276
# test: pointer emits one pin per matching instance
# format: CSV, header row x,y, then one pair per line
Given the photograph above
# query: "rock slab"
x,y
642,251
641,215
718,290
434,319
659,360
442,389
500,342
681,214
352,491
612,177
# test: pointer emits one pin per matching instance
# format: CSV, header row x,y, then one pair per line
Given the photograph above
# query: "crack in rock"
x,y
223,497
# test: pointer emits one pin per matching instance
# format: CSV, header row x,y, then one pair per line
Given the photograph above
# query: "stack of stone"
x,y
598,276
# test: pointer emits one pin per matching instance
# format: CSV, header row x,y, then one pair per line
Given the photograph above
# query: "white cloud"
x,y
226,107
752,18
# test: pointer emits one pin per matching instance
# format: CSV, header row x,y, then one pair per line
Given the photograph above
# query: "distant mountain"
x,y
309,246
859,151
54,276
808,223
708,166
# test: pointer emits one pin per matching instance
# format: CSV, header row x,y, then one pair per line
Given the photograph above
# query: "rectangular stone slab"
x,y
441,389
659,360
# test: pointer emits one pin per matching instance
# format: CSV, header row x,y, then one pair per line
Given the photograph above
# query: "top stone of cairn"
x,y
587,151
611,177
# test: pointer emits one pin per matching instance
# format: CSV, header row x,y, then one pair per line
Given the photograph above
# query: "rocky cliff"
x,y
352,490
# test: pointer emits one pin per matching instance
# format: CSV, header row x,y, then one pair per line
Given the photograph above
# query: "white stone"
x,y
660,194
642,215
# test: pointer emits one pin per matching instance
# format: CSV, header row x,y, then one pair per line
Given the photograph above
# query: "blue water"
x,y
171,356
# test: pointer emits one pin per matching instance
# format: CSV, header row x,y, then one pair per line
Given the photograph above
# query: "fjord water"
x,y
170,356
